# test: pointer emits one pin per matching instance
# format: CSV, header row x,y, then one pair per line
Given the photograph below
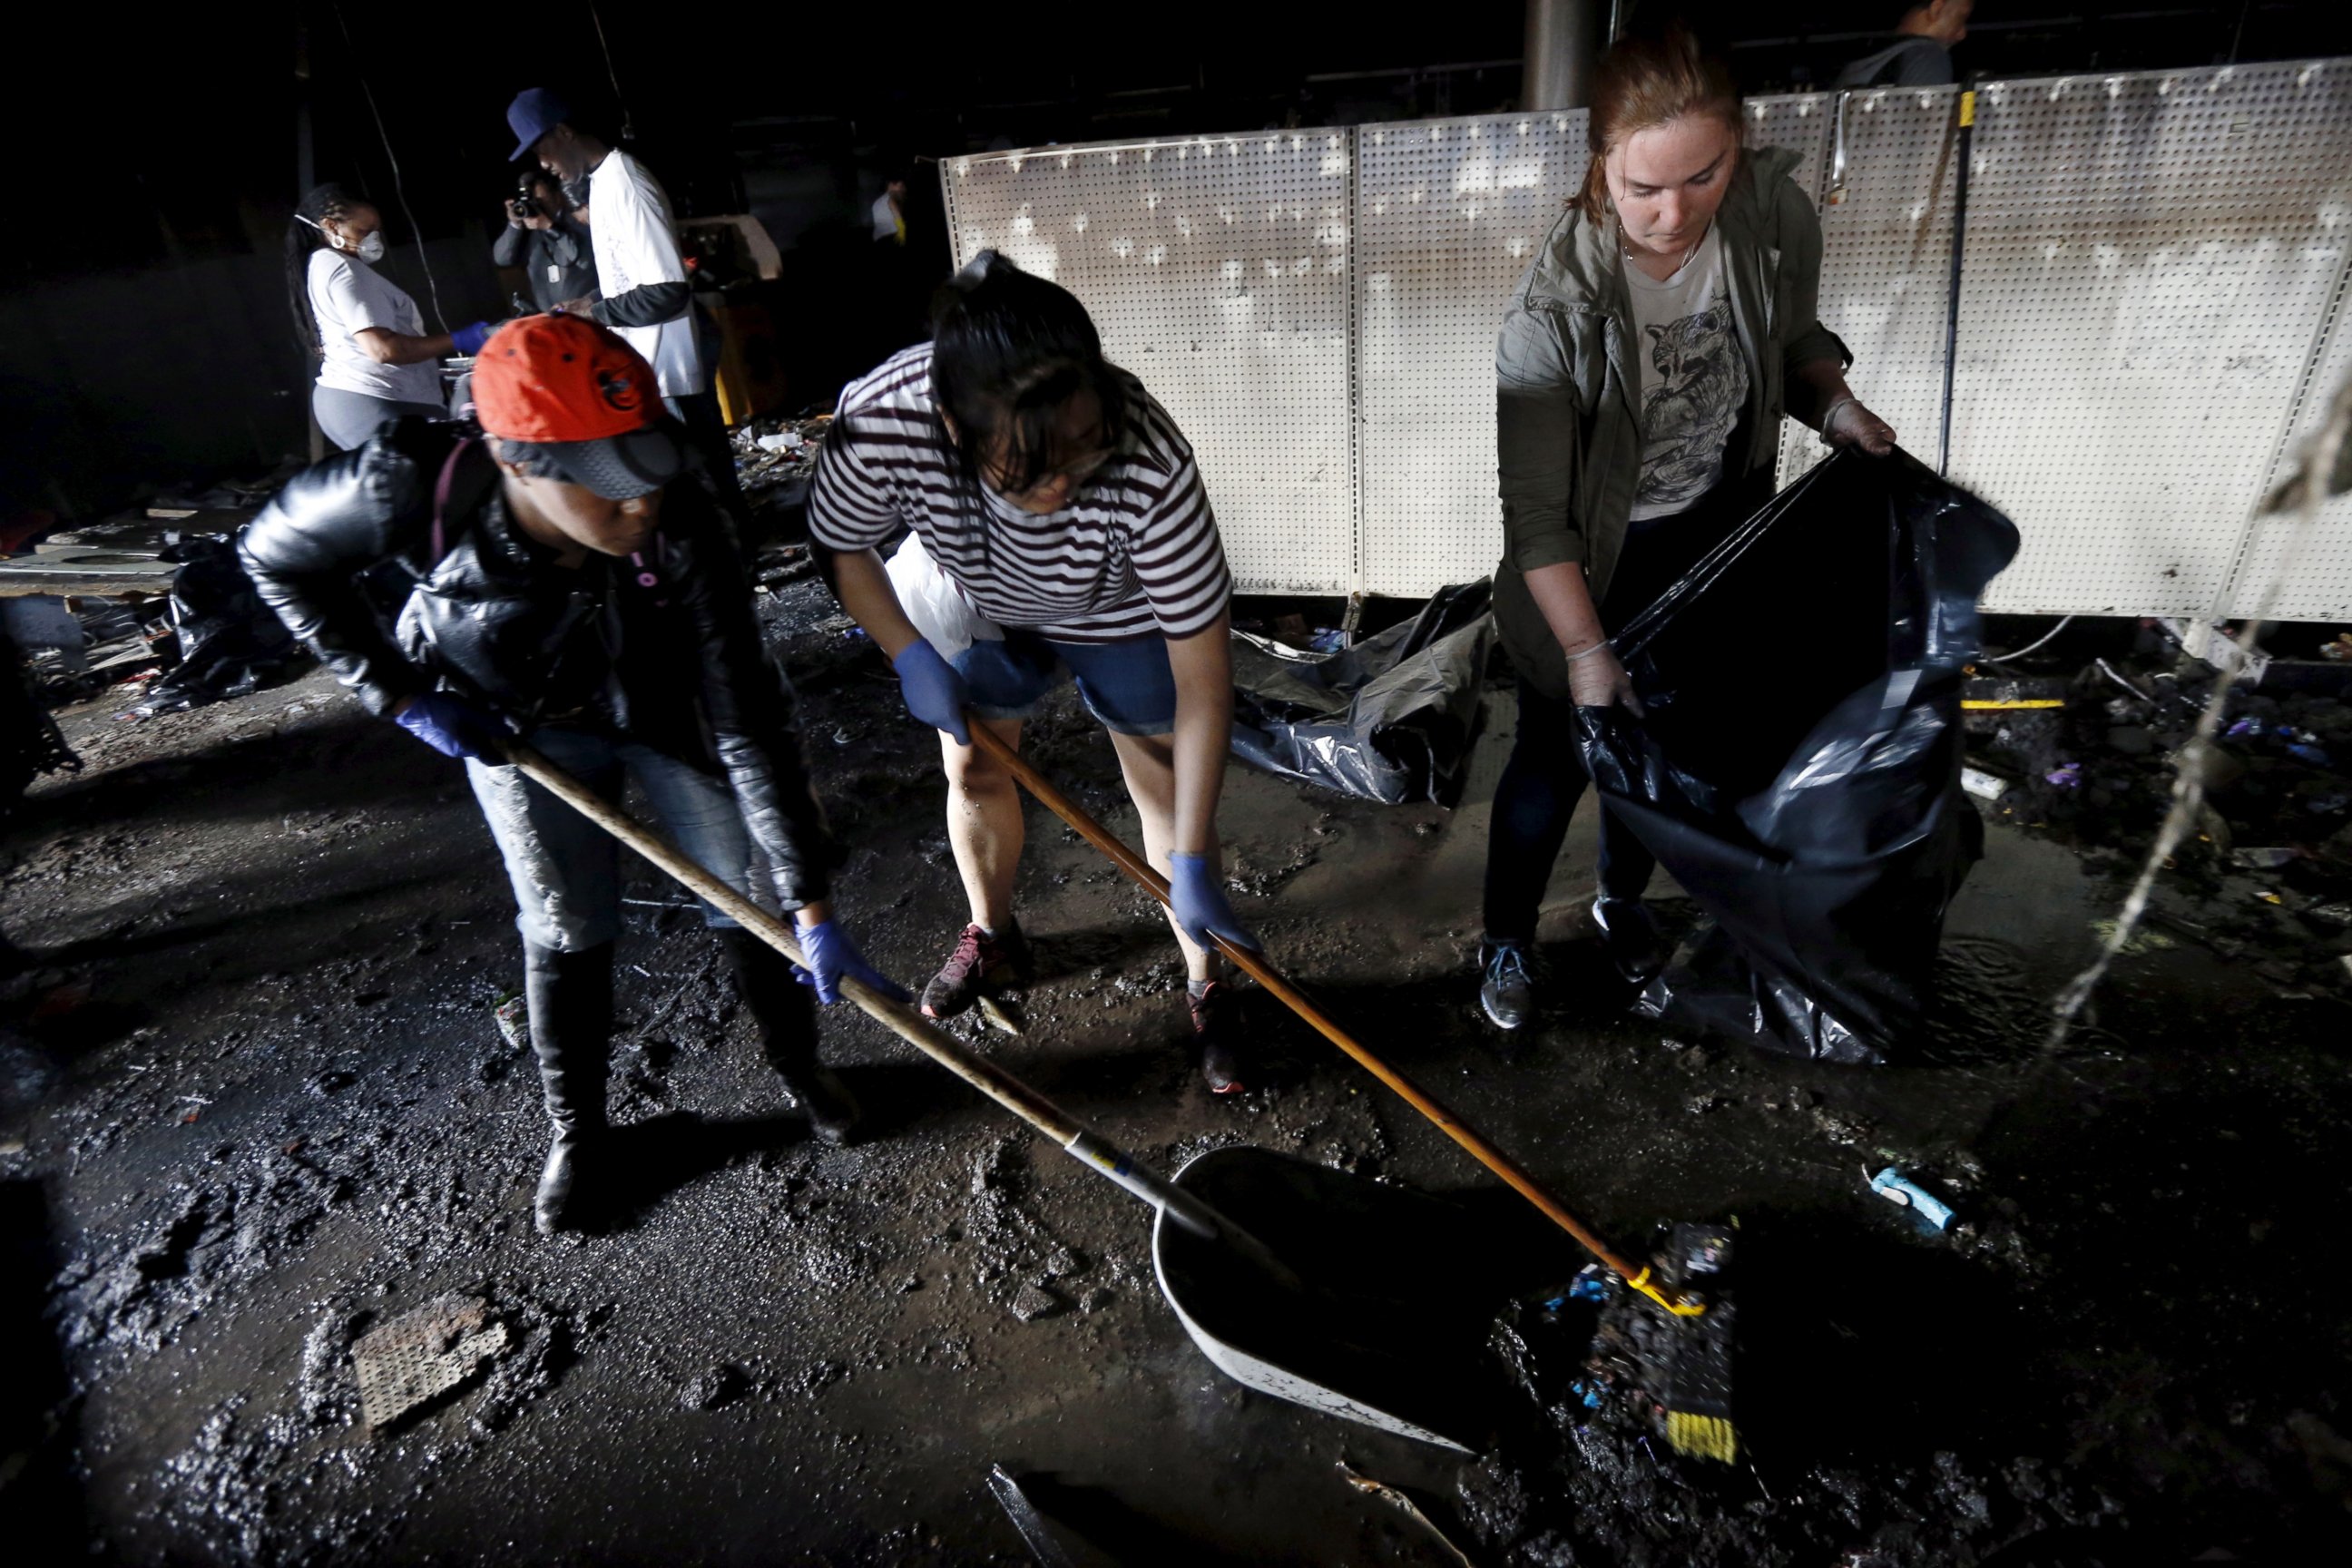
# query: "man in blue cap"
x,y
639,268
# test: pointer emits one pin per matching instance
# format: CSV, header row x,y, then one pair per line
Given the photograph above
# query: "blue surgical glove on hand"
x,y
454,727
468,339
831,955
1196,892
933,691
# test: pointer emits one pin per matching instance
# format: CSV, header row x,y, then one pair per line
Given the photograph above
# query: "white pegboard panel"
x,y
2149,258
1449,214
1886,259
2317,584
1217,269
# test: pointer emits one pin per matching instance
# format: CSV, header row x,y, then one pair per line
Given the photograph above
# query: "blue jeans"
x,y
1544,777
566,870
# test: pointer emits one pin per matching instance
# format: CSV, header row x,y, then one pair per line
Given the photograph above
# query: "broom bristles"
x,y
1703,1436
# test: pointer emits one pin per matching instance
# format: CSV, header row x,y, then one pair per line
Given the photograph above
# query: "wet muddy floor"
x,y
256,1104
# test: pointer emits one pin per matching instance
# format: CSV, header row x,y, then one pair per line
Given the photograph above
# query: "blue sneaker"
x,y
1507,990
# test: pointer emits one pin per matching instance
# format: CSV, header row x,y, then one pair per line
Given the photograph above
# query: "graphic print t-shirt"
x,y
1694,381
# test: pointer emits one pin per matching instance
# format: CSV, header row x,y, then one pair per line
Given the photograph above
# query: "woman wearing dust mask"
x,y
375,359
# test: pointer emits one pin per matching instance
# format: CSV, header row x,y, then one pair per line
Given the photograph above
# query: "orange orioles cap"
x,y
584,399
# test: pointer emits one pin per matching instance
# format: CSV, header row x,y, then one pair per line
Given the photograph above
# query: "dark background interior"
x,y
145,336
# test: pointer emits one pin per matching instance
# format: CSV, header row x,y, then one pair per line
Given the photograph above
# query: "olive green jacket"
x,y
1568,393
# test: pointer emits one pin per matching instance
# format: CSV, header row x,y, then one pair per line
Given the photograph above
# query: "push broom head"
x,y
1696,1378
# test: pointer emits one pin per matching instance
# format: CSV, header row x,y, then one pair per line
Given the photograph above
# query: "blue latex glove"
x,y
831,955
933,691
468,339
454,727
1198,895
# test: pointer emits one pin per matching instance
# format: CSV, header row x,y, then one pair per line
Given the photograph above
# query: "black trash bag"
x,y
1799,769
1390,719
230,643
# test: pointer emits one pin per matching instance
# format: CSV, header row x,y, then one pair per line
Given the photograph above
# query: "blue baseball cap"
x,y
535,111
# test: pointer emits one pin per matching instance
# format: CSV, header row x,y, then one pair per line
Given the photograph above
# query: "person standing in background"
x,y
1921,53
1650,351
547,239
891,213
640,269
377,362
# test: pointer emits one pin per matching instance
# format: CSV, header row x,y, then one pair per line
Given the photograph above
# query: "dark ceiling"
x,y
178,137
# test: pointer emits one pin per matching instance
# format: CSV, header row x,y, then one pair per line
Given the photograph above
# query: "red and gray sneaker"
x,y
981,965
1217,1028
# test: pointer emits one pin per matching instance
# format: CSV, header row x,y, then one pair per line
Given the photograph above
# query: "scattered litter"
x,y
421,1355
2068,775
1593,1282
1982,784
513,1016
1395,1499
1896,1187
2264,859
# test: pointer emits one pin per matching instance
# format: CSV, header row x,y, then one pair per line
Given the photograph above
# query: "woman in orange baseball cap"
x,y
575,588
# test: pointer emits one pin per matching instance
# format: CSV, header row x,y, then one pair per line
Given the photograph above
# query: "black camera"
x,y
526,202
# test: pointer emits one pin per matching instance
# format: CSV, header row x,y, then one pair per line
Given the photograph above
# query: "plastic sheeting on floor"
x,y
1391,719
230,644
1799,769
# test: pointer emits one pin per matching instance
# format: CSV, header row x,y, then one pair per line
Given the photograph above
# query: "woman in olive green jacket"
x,y
1665,325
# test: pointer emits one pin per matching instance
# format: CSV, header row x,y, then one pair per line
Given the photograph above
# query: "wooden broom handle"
x,y
1139,871
905,1020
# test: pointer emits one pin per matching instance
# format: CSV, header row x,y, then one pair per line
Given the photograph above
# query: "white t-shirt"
x,y
1693,379
348,296
886,217
637,244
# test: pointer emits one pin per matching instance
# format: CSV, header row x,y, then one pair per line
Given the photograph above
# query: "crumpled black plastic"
x,y
1391,719
230,643
1799,769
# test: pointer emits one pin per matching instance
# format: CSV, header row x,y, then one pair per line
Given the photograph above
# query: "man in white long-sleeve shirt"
x,y
640,269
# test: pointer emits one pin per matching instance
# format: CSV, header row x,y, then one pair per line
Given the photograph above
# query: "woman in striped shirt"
x,y
1060,531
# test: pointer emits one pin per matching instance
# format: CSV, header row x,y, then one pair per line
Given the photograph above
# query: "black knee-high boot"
x,y
785,1011
571,996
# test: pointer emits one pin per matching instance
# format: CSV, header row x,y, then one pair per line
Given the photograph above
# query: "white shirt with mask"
x,y
347,298
1693,379
637,244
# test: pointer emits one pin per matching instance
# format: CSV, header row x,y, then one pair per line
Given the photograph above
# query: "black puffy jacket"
x,y
677,667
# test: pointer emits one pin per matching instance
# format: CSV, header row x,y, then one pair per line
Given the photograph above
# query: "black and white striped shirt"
x,y
1136,553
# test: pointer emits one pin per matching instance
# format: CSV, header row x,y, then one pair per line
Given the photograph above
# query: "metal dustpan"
x,y
1387,1318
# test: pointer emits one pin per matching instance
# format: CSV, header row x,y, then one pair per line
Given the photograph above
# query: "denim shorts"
x,y
1127,685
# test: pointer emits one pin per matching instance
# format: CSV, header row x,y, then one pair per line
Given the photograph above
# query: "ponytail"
x,y
304,234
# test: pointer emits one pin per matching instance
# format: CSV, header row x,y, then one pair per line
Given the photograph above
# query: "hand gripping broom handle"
x,y
1139,871
1072,1135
